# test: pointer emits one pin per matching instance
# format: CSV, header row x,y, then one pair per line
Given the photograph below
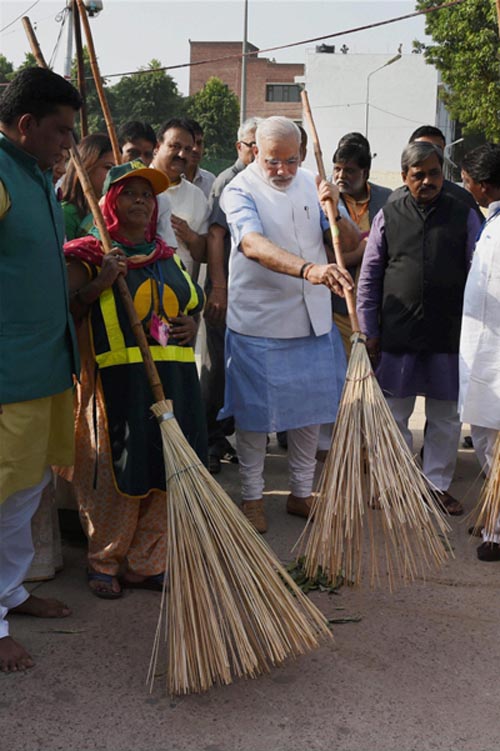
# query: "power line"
x,y
20,16
240,55
62,17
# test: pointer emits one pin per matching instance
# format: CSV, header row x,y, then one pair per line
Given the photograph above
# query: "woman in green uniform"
x,y
119,474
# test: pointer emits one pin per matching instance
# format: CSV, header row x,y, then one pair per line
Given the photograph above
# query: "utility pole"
x,y
243,97
70,10
82,86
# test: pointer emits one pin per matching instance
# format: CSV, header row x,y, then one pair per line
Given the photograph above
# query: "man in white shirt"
x,y
479,364
202,178
285,364
186,202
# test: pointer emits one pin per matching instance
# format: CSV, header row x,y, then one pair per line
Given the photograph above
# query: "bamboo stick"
x,y
107,243
98,83
330,212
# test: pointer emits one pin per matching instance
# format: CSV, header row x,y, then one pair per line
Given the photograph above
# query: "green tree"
x,y
151,97
465,51
217,110
28,62
95,118
6,69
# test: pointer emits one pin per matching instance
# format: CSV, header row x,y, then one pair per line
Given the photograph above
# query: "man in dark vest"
x,y
38,354
410,295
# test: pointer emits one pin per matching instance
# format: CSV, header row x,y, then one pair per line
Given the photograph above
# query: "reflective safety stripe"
x,y
193,299
119,353
111,322
127,355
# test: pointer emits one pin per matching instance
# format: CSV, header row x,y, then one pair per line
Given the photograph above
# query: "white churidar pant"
x,y
16,546
441,439
251,449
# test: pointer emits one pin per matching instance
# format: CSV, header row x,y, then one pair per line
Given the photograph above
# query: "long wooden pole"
x,y
107,244
35,47
98,83
330,212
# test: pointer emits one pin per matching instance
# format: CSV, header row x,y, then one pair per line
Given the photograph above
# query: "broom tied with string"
x,y
371,486
488,507
230,608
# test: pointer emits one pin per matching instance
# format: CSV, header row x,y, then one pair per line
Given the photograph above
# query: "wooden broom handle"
x,y
107,244
98,83
35,47
330,212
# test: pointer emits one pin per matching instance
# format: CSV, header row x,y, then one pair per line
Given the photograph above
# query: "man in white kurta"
x,y
285,363
182,207
479,398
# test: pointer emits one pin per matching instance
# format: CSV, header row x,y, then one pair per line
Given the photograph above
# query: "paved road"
x,y
419,672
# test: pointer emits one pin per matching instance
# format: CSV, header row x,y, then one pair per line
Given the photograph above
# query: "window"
x,y
282,92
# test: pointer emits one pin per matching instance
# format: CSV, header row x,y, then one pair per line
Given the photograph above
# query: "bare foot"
x,y
13,656
42,608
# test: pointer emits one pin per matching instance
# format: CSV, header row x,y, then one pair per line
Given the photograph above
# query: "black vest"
x,y
425,275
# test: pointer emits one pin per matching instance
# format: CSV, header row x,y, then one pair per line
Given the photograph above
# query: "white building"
x,y
385,102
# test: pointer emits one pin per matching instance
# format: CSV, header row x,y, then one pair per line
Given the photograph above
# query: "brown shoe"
x,y
254,512
449,504
299,506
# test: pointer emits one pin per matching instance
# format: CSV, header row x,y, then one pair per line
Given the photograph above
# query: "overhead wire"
x,y
11,23
61,18
254,53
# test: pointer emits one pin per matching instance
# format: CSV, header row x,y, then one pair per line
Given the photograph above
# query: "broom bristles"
x,y
488,506
229,609
370,480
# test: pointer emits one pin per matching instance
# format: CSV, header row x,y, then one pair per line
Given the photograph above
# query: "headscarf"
x,y
89,248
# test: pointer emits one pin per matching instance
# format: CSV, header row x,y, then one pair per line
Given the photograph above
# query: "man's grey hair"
x,y
277,128
250,125
417,152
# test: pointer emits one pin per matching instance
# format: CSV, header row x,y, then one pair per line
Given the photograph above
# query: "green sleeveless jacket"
x,y
38,351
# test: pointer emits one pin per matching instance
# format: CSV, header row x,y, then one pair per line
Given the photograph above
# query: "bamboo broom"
x,y
370,486
488,507
230,609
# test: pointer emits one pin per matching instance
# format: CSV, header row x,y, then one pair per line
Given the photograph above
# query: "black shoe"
x,y
467,444
214,465
488,551
228,452
282,439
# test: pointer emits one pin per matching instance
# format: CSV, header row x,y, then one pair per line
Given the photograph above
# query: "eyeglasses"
x,y
292,162
250,145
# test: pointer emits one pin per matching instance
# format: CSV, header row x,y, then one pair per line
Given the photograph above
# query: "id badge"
x,y
159,329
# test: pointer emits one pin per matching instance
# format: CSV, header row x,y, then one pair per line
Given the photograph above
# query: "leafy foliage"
x,y
465,50
217,110
95,119
6,69
152,97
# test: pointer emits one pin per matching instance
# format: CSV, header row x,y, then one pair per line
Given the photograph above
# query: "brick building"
x,y
271,87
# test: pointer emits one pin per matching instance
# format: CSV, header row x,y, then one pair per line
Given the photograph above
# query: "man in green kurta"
x,y
38,354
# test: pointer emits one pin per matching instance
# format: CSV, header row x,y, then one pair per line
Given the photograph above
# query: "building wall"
x,y
260,72
402,96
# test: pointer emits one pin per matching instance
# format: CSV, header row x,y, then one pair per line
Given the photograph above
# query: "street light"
x,y
367,103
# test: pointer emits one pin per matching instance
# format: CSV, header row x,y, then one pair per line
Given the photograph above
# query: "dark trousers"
x,y
212,382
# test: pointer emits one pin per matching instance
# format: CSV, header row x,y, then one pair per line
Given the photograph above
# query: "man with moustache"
x,y
285,362
410,295
182,207
202,178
